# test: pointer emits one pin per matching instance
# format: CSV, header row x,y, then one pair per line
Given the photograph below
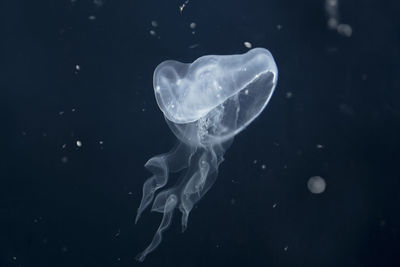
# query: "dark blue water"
x,y
335,114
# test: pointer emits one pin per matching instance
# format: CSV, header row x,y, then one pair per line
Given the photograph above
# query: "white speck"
x,y
246,92
193,46
64,146
172,106
286,248
319,146
181,7
73,110
130,193
332,23
61,113
289,95
248,45
101,142
64,160
92,17
143,109
279,27
345,30
77,67
255,161
78,143
154,23
316,184
152,32
98,3
117,233
193,25
233,201
274,205
158,88
263,166
14,258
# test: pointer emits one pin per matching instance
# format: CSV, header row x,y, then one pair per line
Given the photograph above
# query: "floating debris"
x,y
248,45
345,30
193,25
181,7
154,23
194,46
78,143
263,167
316,184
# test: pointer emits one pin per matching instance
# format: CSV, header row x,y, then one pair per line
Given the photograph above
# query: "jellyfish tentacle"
x,y
168,211
159,167
200,182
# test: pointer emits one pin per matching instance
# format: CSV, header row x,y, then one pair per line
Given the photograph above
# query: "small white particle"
x,y
248,45
152,32
92,17
61,113
78,143
73,110
193,25
274,205
246,92
98,3
289,95
101,142
14,258
64,146
279,27
263,166
255,161
117,233
154,23
77,67
345,30
316,184
64,160
286,248
319,146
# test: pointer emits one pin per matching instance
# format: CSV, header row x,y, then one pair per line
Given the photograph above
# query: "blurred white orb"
x,y
316,184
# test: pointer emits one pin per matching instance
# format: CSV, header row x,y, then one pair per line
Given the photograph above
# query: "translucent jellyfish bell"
x,y
205,103
225,92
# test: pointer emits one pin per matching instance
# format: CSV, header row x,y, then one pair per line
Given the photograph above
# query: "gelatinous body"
x,y
205,103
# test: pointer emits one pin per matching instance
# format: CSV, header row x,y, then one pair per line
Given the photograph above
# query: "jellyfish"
x,y
205,104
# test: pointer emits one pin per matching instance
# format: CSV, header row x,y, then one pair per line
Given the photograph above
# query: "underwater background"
x,y
79,120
